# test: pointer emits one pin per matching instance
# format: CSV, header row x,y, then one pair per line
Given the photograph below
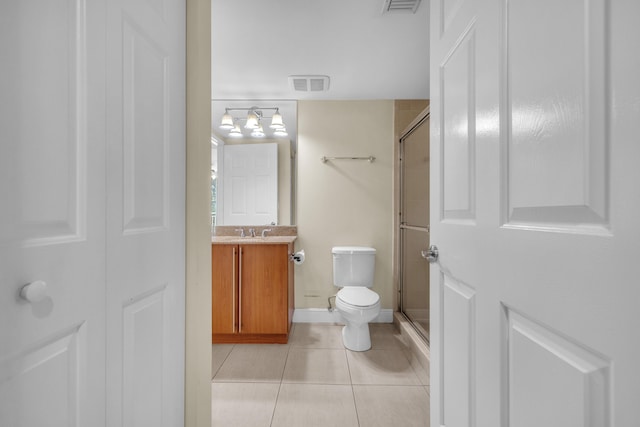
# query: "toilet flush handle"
x,y
430,254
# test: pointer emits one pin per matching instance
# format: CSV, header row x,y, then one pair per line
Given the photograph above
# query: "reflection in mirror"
x,y
285,181
250,177
214,180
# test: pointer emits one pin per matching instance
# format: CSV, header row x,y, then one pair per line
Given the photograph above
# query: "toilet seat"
x,y
358,296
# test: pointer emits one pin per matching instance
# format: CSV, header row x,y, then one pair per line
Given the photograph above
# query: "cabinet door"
x,y
263,289
224,270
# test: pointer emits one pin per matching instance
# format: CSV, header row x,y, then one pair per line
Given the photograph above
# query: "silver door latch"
x,y
430,254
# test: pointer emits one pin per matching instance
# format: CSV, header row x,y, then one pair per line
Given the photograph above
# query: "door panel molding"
x,y
457,353
457,137
53,183
555,167
569,382
145,101
52,376
143,319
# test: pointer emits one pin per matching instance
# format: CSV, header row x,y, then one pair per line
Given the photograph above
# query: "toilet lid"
x,y
358,296
352,250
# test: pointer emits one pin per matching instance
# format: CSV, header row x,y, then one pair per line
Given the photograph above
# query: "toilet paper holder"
x,y
297,257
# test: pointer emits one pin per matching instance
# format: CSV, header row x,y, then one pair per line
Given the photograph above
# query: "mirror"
x,y
285,180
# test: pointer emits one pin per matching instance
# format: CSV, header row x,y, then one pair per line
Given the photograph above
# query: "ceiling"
x,y
257,44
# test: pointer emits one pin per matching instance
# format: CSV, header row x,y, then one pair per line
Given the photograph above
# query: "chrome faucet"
x,y
264,232
241,230
252,232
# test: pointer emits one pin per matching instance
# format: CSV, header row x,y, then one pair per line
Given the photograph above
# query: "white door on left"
x,y
145,212
52,213
92,204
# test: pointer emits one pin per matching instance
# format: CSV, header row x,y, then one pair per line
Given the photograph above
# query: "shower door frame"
x,y
401,228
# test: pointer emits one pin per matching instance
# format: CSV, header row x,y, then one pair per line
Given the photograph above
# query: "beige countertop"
x,y
236,240
276,234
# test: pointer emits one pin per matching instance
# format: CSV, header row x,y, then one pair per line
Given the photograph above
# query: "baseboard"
x,y
322,315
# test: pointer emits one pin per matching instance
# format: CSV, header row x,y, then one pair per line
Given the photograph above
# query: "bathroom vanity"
x,y
252,289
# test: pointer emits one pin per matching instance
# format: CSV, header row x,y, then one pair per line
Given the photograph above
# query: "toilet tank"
x,y
353,266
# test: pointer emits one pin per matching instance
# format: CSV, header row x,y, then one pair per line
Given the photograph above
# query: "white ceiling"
x,y
257,44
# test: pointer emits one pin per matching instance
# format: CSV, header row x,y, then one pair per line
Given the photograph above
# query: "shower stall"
x,y
414,224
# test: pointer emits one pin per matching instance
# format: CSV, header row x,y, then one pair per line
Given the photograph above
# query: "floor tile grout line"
x,y
213,376
275,405
353,392
355,404
284,368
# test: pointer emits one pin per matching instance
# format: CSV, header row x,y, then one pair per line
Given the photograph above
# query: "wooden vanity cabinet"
x,y
224,273
252,293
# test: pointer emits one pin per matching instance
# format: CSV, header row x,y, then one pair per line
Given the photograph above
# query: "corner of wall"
x,y
198,230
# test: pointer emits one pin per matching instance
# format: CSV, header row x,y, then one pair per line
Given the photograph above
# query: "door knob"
x,y
34,291
430,254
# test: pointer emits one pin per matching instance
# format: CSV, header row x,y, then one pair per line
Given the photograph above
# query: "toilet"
x,y
353,268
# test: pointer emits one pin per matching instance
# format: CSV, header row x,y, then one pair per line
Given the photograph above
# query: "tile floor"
x,y
314,381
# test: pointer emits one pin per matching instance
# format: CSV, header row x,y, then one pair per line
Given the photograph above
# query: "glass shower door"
x,y
414,225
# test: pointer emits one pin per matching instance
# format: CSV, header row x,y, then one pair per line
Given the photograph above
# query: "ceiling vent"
x,y
309,83
393,6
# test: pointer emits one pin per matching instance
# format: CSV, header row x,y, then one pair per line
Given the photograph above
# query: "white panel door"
x,y
250,184
535,108
52,213
145,212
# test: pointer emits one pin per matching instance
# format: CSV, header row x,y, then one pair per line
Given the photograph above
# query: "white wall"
x,y
344,202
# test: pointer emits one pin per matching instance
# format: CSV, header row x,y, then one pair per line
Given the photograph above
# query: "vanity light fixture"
x,y
253,121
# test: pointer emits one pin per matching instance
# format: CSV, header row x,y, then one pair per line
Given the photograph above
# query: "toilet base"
x,y
355,337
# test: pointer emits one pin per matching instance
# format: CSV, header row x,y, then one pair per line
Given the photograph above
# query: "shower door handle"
x,y
430,254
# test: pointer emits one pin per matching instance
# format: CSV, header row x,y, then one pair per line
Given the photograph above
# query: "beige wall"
x,y
284,174
198,244
405,111
343,202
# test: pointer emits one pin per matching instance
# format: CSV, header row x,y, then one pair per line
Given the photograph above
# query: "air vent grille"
x,y
300,85
392,6
310,83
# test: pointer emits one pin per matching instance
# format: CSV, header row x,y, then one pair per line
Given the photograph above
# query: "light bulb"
x,y
276,121
280,132
227,121
252,120
235,132
258,132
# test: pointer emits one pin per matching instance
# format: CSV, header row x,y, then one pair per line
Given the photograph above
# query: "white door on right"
x,y
535,109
